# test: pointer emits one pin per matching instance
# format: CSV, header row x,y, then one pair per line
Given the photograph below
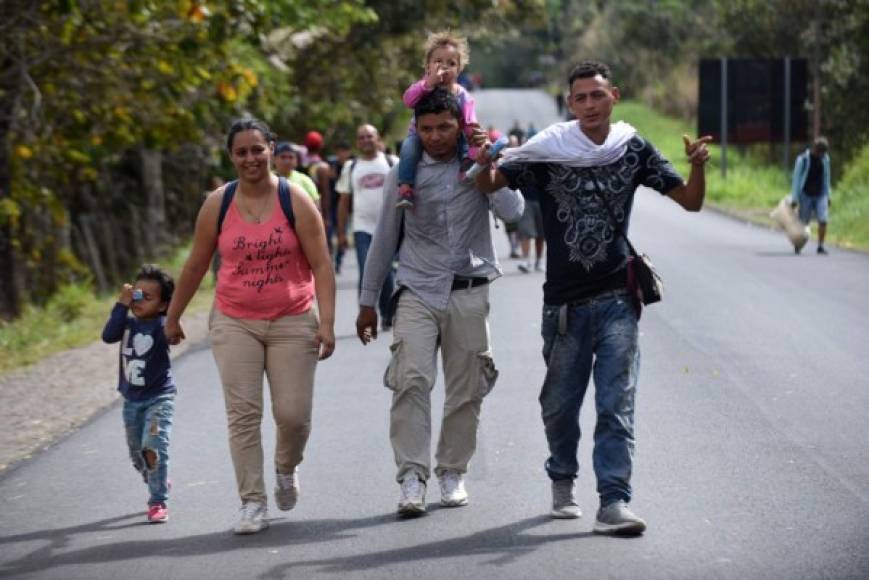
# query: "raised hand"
x,y
434,75
697,151
126,296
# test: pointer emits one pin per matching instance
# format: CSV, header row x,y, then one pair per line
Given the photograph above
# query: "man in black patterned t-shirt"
x,y
587,172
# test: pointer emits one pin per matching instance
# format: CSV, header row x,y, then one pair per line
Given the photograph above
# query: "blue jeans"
x,y
598,336
411,153
148,424
362,241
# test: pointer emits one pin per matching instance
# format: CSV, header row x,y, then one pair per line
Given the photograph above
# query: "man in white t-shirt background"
x,y
363,179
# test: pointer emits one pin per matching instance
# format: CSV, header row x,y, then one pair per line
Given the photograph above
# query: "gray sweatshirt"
x,y
446,234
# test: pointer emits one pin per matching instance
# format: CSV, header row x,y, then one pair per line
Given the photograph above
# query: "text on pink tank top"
x,y
264,274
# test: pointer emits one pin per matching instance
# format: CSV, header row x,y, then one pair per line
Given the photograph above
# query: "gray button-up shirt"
x,y
446,234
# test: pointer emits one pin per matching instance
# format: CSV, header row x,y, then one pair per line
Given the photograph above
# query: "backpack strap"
x,y
286,201
283,198
228,194
353,163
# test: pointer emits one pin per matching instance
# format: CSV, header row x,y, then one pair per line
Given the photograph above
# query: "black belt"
x,y
606,294
467,283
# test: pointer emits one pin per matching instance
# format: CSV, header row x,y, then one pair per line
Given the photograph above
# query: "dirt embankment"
x,y
57,395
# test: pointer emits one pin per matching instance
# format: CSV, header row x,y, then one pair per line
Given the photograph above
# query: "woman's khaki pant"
x,y
286,350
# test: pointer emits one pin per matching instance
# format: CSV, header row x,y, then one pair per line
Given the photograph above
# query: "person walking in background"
x,y
587,172
361,183
343,153
446,55
517,132
287,160
318,170
530,227
145,379
811,187
446,261
274,260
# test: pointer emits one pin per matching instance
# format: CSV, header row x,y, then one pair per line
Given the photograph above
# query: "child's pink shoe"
x,y
405,196
158,513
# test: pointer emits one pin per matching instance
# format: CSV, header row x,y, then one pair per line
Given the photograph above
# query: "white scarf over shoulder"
x,y
566,144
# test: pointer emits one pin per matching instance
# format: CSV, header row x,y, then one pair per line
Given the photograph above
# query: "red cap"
x,y
313,140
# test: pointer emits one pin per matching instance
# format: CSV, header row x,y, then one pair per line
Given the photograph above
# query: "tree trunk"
x,y
10,298
155,202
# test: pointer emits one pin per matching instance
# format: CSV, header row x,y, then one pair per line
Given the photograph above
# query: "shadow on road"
x,y
782,254
280,534
506,543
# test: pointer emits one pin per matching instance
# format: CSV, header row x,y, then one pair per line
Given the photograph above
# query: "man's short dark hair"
x,y
438,101
589,69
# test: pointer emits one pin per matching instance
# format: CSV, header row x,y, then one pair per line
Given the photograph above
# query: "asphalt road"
x,y
753,452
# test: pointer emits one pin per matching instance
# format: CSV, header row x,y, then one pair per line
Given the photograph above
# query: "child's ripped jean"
x,y
148,424
411,153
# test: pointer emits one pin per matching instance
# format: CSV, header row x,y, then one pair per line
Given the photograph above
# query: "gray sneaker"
x,y
618,520
252,518
564,506
287,490
412,502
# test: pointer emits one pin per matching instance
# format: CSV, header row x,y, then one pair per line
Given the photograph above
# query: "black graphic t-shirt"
x,y
585,254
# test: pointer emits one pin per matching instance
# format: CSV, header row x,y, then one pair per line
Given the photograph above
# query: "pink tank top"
x,y
264,274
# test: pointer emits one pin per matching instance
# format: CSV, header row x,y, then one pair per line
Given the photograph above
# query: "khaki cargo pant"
x,y
462,332
286,351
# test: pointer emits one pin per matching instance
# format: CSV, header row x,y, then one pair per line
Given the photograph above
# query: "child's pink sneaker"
x,y
158,513
405,196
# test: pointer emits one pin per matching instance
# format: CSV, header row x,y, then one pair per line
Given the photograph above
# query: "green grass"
x,y
753,186
73,317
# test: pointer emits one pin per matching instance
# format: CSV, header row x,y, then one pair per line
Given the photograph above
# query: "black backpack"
x,y
283,197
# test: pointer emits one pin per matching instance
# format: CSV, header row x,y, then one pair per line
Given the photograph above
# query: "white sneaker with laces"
x,y
564,506
412,502
252,518
453,492
287,490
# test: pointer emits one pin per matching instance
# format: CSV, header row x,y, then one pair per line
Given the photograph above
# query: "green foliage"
x,y
75,316
851,202
70,301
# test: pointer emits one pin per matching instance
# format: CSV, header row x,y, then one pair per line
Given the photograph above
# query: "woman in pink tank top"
x,y
264,320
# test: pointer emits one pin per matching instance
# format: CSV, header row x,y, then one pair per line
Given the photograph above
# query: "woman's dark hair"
x,y
589,69
438,101
153,272
248,124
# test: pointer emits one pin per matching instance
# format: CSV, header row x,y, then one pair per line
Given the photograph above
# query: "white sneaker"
x,y
252,518
453,492
412,502
564,506
287,490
